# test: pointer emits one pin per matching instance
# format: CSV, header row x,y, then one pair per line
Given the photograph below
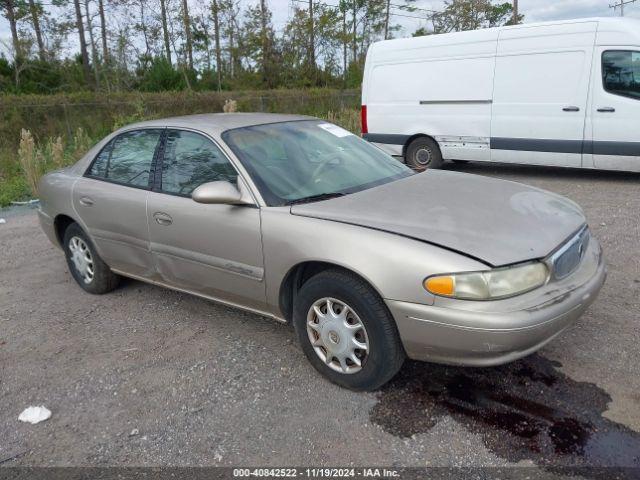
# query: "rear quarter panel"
x,y
55,190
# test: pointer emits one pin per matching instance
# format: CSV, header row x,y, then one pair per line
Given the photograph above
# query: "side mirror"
x,y
219,193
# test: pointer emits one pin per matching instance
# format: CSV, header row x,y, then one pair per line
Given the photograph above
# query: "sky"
x,y
534,11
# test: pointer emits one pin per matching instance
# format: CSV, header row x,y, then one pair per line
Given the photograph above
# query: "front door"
x,y
615,111
214,250
111,201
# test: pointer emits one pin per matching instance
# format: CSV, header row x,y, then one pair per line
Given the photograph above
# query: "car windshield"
x,y
310,160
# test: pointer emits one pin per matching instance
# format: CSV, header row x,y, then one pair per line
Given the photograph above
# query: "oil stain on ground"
x,y
525,410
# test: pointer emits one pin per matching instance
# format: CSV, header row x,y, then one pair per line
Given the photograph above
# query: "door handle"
x,y
162,218
607,110
86,201
571,109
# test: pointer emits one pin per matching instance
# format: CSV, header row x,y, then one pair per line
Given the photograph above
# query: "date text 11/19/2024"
x,y
316,472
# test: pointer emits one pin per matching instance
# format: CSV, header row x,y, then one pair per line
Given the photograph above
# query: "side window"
x,y
127,159
621,73
190,160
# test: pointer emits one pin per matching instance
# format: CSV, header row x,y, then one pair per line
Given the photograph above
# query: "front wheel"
x,y
85,265
346,331
423,153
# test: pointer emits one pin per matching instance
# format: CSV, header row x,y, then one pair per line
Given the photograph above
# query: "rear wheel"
x,y
85,265
423,153
346,331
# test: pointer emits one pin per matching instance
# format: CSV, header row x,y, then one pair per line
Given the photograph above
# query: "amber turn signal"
x,y
440,285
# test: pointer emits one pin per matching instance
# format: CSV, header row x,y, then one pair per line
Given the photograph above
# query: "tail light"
x,y
363,118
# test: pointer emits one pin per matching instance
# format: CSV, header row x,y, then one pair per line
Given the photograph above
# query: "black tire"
x,y
104,280
423,153
386,354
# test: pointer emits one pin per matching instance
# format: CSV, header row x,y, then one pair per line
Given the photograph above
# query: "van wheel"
x,y
423,153
346,331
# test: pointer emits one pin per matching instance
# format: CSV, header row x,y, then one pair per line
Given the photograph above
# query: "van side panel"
x,y
540,94
439,86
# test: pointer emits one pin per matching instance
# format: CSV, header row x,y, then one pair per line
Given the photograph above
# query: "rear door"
x,y
540,94
111,200
615,110
214,250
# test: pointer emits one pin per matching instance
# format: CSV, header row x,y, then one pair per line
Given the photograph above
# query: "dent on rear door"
x,y
115,218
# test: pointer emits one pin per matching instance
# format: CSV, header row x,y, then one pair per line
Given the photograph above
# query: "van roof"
x,y
611,31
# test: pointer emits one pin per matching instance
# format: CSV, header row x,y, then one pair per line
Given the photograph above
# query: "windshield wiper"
x,y
315,198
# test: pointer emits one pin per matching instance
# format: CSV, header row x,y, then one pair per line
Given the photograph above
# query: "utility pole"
x,y
515,12
312,44
621,5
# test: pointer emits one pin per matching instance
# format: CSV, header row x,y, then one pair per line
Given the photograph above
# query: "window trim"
x,y
110,145
604,85
157,184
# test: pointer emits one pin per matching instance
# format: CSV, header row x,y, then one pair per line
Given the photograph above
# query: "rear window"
x,y
127,158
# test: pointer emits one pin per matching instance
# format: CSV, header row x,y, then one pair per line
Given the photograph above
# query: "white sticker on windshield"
x,y
335,130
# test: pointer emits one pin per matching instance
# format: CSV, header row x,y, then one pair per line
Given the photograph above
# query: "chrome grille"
x,y
566,260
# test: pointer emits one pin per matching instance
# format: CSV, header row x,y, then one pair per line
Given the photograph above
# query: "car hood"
x,y
495,221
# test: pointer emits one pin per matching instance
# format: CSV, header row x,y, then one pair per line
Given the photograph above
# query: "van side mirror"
x,y
219,192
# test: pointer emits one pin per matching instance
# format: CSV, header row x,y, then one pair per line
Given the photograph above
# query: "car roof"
x,y
216,123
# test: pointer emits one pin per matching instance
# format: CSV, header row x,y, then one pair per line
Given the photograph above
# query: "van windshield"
x,y
621,73
310,160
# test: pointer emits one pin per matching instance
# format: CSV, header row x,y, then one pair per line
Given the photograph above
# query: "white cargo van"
x,y
557,93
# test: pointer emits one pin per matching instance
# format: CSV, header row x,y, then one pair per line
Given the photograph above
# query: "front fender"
x,y
394,265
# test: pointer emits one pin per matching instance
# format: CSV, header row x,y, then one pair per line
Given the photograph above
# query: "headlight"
x,y
489,285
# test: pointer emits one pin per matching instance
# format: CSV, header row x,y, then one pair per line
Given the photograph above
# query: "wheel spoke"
x,y
330,311
353,327
359,345
343,364
355,360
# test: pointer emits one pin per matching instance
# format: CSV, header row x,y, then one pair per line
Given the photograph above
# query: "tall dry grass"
x,y
31,160
347,118
81,143
36,159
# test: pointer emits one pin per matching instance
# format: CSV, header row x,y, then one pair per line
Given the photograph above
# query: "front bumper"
x,y
490,333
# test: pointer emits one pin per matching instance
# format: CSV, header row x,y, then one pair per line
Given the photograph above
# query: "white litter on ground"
x,y
35,415
2,220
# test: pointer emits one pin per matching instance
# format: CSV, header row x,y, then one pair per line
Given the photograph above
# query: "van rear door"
x,y
540,94
615,110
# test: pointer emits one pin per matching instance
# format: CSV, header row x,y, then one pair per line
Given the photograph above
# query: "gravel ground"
x,y
146,376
